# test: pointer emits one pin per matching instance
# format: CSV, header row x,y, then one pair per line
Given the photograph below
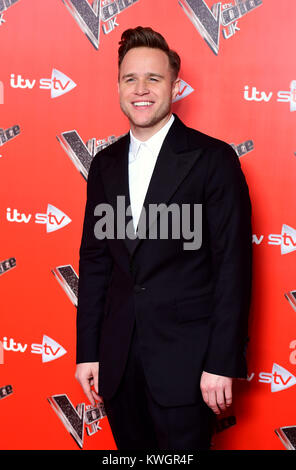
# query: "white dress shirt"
x,y
142,159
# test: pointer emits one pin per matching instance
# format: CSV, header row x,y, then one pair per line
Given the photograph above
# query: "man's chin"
x,y
146,123
142,122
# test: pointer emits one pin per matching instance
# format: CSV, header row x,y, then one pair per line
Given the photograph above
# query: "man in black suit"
x,y
162,323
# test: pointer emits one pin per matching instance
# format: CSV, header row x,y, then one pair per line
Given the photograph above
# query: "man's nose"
x,y
141,87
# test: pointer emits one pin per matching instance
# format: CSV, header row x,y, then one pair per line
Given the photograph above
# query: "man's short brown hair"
x,y
147,37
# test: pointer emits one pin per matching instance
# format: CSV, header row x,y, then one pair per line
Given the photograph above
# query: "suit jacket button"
x,y
138,289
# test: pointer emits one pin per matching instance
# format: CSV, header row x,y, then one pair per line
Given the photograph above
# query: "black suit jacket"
x,y
190,307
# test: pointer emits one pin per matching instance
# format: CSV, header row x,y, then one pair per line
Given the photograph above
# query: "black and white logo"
x,y
8,134
4,5
76,419
89,17
209,22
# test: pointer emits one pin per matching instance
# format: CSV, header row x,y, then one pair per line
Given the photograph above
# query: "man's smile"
x,y
142,104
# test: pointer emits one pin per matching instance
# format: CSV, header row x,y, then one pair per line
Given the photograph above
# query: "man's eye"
x,y
153,79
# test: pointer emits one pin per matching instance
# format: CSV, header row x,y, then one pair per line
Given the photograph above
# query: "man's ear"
x,y
176,88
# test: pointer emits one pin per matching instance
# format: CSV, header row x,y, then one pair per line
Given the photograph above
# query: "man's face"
x,y
146,89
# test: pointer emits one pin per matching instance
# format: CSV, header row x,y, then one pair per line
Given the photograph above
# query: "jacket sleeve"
x,y
95,265
228,215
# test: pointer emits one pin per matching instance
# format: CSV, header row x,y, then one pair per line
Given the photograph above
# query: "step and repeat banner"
x,y
58,108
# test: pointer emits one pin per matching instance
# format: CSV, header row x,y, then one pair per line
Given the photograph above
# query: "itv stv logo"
x,y
1,93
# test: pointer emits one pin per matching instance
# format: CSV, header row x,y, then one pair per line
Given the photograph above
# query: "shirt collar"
x,y
153,144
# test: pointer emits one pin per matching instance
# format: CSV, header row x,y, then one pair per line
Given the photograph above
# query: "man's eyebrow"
x,y
127,75
149,74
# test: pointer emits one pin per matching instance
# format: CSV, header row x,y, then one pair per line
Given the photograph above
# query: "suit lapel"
x,y
173,164
115,180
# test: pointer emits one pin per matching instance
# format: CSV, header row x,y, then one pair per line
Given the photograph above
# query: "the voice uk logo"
x,y
209,22
4,5
91,16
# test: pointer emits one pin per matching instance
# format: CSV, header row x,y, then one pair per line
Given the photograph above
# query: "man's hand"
x,y
216,391
87,374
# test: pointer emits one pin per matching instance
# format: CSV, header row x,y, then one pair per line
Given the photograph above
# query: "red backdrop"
x,y
56,77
